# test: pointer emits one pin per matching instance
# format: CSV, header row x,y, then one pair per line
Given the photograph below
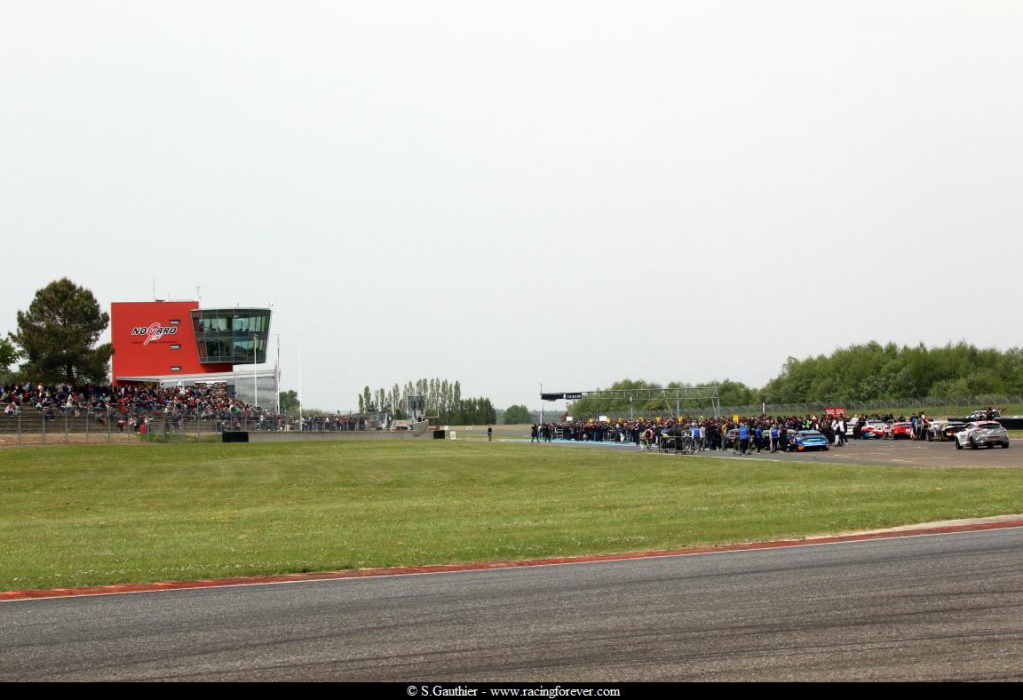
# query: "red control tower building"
x,y
176,342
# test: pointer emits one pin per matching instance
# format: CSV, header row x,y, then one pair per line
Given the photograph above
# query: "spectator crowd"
x,y
132,407
742,435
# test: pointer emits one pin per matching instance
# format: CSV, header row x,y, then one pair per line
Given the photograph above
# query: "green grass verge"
x,y
73,516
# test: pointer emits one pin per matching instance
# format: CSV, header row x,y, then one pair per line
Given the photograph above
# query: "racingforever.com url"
x,y
463,691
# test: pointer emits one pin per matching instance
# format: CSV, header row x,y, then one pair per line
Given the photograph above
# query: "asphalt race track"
x,y
907,453
935,607
921,453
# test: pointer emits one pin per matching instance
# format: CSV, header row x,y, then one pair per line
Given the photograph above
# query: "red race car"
x,y
875,429
902,431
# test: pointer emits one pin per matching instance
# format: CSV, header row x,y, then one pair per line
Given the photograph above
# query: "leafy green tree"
x,y
476,411
517,415
289,402
8,355
57,336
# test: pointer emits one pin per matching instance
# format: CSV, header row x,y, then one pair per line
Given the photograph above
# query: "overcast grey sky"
x,y
509,194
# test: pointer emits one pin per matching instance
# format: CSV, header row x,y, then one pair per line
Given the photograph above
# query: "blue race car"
x,y
806,440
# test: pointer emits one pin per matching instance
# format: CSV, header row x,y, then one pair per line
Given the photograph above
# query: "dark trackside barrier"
x,y
236,436
439,435
1009,423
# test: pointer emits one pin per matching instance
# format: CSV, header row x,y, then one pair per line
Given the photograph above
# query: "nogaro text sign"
x,y
153,332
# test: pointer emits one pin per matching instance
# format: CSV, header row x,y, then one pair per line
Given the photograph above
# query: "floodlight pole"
x,y
255,377
277,376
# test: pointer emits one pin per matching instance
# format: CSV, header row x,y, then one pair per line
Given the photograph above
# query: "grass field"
x,y
87,515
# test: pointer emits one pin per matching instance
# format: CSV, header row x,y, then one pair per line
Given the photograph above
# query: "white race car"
x,y
984,433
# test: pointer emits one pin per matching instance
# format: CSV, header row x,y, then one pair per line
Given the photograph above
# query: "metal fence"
x,y
56,427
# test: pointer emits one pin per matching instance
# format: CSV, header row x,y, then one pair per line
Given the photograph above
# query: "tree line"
x,y
442,400
868,372
874,371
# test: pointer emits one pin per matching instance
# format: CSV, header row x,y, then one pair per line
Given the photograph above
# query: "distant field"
x,y
85,515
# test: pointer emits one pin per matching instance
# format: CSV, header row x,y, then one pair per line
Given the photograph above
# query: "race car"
x,y
732,439
902,430
806,440
944,430
875,429
982,434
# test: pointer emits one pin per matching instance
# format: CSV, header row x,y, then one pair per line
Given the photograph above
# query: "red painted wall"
x,y
152,337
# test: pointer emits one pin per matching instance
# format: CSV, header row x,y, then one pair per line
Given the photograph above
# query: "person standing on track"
x,y
743,438
647,439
